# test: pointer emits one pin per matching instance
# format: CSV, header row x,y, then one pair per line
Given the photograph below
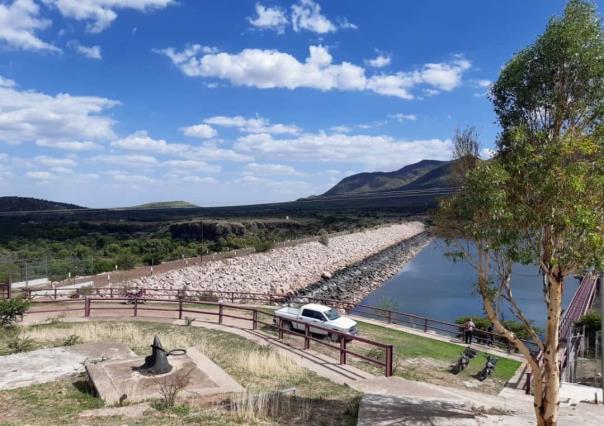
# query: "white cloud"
x,y
198,179
269,169
341,129
380,61
306,15
134,161
267,69
62,121
64,163
485,84
128,178
99,14
403,117
19,22
69,145
7,82
375,152
141,141
201,131
188,166
252,125
487,153
40,176
269,18
91,52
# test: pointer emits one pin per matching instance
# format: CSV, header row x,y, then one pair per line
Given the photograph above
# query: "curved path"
x,y
321,364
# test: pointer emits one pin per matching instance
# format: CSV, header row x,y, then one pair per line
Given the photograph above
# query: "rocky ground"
x,y
356,281
283,270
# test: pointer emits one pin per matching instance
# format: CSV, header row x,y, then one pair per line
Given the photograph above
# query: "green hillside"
x,y
24,204
167,205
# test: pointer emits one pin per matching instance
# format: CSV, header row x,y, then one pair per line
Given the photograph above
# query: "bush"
x,y
18,344
10,309
72,339
263,245
483,323
324,237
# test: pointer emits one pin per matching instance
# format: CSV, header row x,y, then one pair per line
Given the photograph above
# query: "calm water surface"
x,y
433,286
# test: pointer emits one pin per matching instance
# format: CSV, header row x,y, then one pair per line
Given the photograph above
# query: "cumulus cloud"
x,y
40,176
375,152
269,18
306,15
129,178
62,121
99,14
91,52
267,69
252,125
201,131
380,61
270,169
135,161
188,166
62,163
403,117
141,141
19,22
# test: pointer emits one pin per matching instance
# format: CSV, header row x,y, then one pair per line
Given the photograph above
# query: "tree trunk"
x,y
546,408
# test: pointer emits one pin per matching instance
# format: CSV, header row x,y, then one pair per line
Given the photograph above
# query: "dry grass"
x,y
270,364
136,337
256,407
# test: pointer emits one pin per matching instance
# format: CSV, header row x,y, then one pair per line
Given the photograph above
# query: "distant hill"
x,y
166,205
425,174
23,204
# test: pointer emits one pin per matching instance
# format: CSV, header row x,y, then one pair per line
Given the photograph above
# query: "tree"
x,y
540,199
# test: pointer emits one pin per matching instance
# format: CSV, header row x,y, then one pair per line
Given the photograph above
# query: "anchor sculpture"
x,y
157,362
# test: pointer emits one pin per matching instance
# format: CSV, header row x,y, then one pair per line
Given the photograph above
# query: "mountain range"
x,y
426,174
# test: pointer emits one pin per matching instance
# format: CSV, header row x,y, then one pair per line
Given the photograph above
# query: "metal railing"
x,y
388,316
139,305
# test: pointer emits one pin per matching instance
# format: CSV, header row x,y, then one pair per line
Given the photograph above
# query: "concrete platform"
x,y
48,365
118,381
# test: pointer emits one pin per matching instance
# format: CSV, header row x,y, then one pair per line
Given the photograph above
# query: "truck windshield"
x,y
332,314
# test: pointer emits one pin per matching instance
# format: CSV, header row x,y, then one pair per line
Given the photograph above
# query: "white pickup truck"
x,y
320,315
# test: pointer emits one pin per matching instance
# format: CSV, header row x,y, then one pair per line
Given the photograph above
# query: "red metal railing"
x,y
139,305
384,315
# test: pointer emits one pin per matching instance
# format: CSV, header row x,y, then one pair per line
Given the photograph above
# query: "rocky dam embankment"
x,y
353,283
284,270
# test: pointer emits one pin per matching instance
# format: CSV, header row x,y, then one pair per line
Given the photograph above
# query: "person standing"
x,y
468,331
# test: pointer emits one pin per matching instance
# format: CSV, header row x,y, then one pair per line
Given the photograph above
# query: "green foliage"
x,y
324,237
10,309
72,339
18,343
263,245
483,323
592,321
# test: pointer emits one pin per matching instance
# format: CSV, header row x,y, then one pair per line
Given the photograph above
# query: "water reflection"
x,y
433,286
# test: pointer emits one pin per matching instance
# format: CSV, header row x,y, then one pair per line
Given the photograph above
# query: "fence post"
x,y
254,319
180,308
111,292
135,307
389,317
425,325
55,291
527,388
233,297
306,336
342,350
220,313
389,350
280,324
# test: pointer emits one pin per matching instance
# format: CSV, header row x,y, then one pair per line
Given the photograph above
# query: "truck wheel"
x,y
334,337
289,325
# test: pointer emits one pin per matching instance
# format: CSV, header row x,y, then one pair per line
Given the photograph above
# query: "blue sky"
x,y
117,102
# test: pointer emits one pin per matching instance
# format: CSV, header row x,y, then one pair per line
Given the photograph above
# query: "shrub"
x,y
10,309
72,339
17,343
324,237
263,245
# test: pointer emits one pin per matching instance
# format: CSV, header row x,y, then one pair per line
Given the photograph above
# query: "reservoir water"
x,y
433,286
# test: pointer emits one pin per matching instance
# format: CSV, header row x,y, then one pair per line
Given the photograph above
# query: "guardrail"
x,y
388,316
138,305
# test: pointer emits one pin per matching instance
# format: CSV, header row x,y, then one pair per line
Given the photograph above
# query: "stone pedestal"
x,y
118,381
